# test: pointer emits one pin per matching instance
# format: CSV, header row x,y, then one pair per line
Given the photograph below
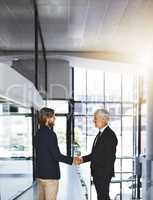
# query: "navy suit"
x,y
102,159
48,154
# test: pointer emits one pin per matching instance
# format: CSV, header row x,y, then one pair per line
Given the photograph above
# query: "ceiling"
x,y
123,27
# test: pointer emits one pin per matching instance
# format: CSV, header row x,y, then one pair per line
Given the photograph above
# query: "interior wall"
x,y
59,77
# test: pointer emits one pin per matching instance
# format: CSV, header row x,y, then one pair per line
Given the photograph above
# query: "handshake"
x,y
77,160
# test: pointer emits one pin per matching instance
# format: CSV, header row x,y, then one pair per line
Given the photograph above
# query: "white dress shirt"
x,y
101,130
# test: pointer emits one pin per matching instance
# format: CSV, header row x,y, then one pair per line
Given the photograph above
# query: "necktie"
x,y
98,135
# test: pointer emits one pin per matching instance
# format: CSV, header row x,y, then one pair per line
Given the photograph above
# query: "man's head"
x,y
101,118
47,117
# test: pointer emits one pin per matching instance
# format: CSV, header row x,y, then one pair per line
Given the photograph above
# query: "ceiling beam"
x,y
103,55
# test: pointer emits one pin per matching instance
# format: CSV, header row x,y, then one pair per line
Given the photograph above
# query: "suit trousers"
x,y
102,184
47,189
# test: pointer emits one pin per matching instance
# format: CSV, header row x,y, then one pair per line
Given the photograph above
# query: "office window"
x,y
112,87
60,106
61,111
115,190
119,147
80,84
92,107
91,133
79,108
128,109
15,151
80,134
127,136
113,108
127,165
95,85
118,94
129,87
60,130
91,130
115,124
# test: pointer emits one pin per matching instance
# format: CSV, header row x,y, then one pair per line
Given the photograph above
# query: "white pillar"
x,y
147,162
149,144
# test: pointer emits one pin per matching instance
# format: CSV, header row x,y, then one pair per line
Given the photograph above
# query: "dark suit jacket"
x,y
48,154
103,154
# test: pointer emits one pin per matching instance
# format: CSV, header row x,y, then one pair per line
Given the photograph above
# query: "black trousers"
x,y
102,187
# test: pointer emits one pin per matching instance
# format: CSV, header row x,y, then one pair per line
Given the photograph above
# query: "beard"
x,y
50,124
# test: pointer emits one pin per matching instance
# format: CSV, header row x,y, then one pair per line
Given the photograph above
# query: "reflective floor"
x,y
70,186
15,176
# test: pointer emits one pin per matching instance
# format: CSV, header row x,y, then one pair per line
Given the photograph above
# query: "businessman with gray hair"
x,y
103,155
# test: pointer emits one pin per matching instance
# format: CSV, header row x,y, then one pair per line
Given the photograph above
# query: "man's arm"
x,y
86,158
55,151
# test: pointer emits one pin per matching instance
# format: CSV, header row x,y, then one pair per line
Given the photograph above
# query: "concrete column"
x,y
147,161
149,144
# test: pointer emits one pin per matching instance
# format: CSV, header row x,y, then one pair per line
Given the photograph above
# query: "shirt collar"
x,y
102,129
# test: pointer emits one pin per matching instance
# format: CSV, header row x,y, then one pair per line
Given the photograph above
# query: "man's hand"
x,y
77,160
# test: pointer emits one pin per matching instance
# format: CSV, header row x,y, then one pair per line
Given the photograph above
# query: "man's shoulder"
x,y
52,134
108,128
45,132
111,134
42,130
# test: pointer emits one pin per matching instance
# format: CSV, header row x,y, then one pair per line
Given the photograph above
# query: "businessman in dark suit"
x,y
103,155
48,156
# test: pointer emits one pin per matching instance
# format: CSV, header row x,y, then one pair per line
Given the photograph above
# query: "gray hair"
x,y
104,113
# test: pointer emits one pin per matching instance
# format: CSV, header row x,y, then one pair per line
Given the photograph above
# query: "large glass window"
x,y
60,106
60,129
80,133
61,111
129,85
117,93
112,86
80,84
15,150
95,85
